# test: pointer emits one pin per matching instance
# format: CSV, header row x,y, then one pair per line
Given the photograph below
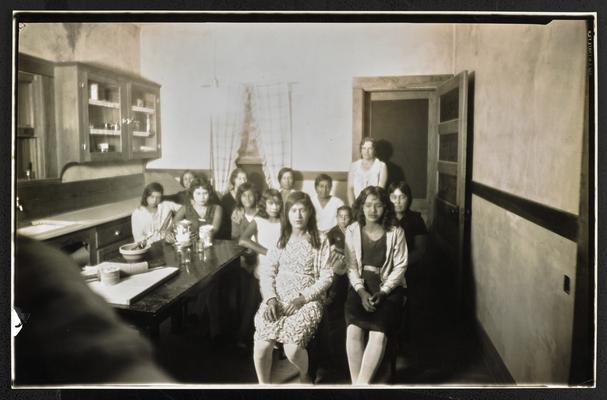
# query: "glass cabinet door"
x,y
143,121
104,116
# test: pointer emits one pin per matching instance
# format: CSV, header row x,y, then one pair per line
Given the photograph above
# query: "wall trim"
x,y
560,222
492,358
335,175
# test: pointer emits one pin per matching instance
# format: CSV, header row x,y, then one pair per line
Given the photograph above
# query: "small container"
x,y
204,235
109,275
139,102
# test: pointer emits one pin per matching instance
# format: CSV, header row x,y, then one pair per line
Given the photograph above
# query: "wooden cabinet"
x,y
102,242
105,115
110,237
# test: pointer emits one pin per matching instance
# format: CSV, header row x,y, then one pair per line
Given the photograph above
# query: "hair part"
x,y
403,187
204,184
148,190
321,178
286,229
234,175
388,219
283,171
245,187
269,194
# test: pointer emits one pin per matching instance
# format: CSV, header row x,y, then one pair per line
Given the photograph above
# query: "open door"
x,y
447,166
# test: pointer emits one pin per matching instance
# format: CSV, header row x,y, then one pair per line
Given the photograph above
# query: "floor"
x,y
433,349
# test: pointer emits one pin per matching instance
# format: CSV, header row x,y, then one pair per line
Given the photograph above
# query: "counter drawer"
x,y
112,252
117,231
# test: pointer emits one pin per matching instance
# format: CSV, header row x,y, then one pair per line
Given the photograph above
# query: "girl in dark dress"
x,y
228,202
376,256
201,209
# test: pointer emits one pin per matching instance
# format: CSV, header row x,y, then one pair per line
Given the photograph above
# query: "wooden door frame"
x,y
423,85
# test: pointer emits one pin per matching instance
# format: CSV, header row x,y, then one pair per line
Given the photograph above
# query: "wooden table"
x,y
168,298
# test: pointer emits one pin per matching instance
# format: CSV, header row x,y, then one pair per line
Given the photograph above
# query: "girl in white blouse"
x,y
150,221
368,171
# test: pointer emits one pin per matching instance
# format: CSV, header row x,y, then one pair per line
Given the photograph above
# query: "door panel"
x,y
449,191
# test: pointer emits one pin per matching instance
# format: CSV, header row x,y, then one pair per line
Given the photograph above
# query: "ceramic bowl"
x,y
132,253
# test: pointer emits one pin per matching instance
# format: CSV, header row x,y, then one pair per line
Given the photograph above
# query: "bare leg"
x,y
374,352
354,348
298,356
262,357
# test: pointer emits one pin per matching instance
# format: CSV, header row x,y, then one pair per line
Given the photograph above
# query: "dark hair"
x,y
187,171
206,185
323,177
244,188
403,187
283,171
286,229
267,195
148,190
370,140
388,220
345,208
234,175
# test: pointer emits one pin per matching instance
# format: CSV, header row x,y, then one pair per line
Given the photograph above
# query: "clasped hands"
x,y
370,301
274,310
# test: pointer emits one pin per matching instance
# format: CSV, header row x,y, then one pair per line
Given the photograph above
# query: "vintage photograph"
x,y
303,201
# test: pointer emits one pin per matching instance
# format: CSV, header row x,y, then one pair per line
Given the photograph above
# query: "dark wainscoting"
x,y
492,358
50,198
560,222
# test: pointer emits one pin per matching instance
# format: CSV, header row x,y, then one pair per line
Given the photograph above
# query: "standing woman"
x,y
285,180
150,221
293,286
200,209
228,202
368,171
376,256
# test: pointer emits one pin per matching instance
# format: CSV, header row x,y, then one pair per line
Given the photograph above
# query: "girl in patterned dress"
x,y
293,286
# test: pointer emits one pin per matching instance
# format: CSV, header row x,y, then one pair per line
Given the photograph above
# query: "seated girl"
x,y
200,209
376,256
151,221
293,286
245,210
285,180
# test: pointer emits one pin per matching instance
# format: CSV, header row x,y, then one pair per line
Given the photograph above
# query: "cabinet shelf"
x,y
105,132
145,110
142,134
104,103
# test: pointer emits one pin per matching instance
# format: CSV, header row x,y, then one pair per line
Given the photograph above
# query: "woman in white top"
x,y
325,205
150,221
368,171
264,231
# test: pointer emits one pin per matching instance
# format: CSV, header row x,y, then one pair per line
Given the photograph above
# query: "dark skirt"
x,y
387,315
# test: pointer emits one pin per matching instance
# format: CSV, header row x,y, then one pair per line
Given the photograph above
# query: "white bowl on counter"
x,y
132,253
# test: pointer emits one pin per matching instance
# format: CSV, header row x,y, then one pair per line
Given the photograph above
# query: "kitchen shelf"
x,y
147,148
105,132
104,103
143,109
142,134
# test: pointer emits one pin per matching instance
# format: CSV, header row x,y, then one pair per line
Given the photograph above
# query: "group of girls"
x,y
295,267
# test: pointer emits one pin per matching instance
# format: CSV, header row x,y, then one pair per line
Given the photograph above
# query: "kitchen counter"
x,y
62,224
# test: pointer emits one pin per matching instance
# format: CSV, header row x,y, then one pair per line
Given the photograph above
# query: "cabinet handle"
x,y
126,121
83,146
82,84
116,233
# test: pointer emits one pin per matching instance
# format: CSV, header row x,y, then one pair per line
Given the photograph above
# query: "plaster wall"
x,y
528,125
317,60
112,44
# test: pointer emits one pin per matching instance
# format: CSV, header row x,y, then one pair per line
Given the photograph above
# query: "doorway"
x,y
423,121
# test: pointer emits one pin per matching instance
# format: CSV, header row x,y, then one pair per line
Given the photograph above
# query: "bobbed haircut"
x,y
403,187
187,171
204,184
283,171
311,228
387,220
245,187
323,177
148,190
268,194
